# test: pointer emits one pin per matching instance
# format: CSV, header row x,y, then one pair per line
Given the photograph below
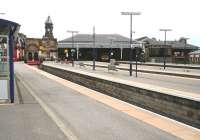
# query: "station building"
x,y
107,46
41,48
195,57
176,51
149,50
20,44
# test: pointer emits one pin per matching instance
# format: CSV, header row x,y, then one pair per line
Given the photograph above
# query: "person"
x,y
66,56
41,60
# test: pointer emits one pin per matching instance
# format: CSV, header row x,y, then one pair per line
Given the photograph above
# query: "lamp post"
x,y
111,46
72,54
136,46
185,44
2,13
136,60
94,49
131,16
164,57
72,50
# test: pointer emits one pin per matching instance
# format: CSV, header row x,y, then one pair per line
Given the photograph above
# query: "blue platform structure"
x,y
8,33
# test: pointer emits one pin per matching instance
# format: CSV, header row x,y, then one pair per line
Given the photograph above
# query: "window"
x,y
3,54
159,52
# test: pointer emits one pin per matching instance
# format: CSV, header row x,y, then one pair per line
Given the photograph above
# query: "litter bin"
x,y
112,61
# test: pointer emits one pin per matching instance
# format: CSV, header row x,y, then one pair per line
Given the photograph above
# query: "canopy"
x,y
7,27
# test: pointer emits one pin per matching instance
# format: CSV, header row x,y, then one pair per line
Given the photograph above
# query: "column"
x,y
77,52
121,50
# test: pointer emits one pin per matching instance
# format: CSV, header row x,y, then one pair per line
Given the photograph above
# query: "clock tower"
x,y
48,28
42,48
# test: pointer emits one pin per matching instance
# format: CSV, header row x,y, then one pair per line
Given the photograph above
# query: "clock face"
x,y
48,29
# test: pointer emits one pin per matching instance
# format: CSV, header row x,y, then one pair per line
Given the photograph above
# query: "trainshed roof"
x,y
101,41
103,38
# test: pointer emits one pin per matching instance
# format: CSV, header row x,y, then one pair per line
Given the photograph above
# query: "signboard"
x,y
4,67
8,33
3,89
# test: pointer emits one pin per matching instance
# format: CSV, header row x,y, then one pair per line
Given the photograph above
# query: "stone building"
x,y
195,57
174,51
42,48
20,44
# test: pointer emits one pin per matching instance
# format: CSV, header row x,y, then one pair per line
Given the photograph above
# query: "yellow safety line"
x,y
168,125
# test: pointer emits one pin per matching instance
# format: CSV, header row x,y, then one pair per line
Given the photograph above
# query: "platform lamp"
x,y
164,57
139,45
185,44
94,51
111,53
131,14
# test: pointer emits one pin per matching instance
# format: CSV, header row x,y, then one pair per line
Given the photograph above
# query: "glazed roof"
x,y
103,38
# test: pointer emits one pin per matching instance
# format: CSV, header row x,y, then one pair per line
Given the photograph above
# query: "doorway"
x,y
36,58
30,57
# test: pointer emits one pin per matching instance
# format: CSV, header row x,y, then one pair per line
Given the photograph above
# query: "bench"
x,y
112,67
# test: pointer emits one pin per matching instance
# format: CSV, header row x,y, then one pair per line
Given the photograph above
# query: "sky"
x,y
182,16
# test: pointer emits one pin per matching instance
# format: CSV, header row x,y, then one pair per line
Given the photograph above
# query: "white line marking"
x,y
67,132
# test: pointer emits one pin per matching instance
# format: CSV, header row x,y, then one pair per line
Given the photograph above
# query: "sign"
x,y
4,68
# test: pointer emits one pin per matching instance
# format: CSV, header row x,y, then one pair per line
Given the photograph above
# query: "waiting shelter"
x,y
8,33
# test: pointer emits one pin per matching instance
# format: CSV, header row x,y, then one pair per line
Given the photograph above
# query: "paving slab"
x,y
86,117
26,120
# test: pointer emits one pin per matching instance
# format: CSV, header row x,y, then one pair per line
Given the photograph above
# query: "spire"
x,y
48,21
48,28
